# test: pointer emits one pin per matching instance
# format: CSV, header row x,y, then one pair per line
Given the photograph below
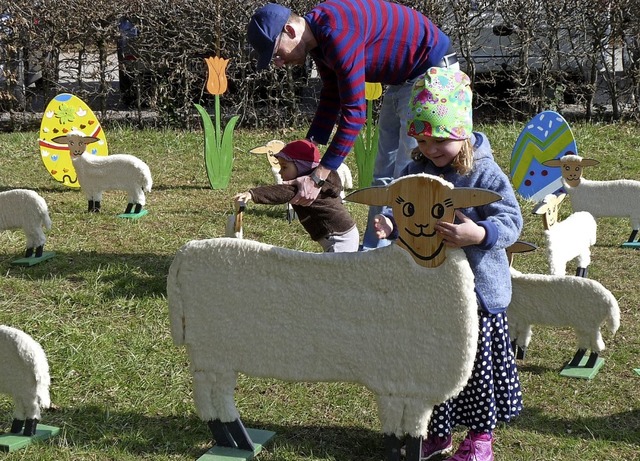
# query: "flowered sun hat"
x,y
440,105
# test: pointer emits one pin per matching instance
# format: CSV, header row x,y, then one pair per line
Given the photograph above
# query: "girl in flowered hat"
x,y
441,122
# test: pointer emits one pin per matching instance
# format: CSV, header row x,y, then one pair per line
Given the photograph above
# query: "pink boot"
x,y
434,445
477,446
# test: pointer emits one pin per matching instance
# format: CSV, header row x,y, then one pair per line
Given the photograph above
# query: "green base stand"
x,y
13,442
133,215
32,260
637,370
580,371
630,245
259,439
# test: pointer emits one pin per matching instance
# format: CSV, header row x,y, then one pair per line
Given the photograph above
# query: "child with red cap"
x,y
326,220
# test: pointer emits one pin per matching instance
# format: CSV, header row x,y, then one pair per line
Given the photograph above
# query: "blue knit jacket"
x,y
502,221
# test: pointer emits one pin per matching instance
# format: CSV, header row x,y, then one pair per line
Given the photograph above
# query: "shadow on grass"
x,y
174,435
119,274
617,427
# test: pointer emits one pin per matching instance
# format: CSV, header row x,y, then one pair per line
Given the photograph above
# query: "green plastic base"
x,y
13,442
32,261
637,370
133,215
580,371
259,439
630,245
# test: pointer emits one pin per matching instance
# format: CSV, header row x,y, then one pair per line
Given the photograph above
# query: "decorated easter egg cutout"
x,y
546,136
63,114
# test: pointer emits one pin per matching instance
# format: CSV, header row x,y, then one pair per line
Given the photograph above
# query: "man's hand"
x,y
307,189
383,226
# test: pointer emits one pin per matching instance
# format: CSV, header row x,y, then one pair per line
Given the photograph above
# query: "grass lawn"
x,y
122,390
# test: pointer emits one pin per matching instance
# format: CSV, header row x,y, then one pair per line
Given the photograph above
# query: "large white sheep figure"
x,y
388,319
27,210
97,174
568,239
617,199
561,301
24,375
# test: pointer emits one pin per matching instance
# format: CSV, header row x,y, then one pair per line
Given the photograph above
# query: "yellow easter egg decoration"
x,y
63,114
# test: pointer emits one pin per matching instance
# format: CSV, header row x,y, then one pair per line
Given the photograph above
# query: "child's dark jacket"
x,y
325,216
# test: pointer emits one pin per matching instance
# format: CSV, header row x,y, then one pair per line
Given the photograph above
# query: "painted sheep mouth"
x,y
423,257
421,233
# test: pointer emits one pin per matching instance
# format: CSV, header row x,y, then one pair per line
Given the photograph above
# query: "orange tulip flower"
x,y
217,81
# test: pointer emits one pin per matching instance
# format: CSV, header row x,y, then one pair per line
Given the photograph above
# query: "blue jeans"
x,y
394,149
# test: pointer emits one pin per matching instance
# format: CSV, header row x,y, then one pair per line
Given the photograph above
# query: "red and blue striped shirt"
x,y
364,41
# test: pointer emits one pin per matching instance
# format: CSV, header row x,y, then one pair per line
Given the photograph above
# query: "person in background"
x,y
327,220
353,42
441,121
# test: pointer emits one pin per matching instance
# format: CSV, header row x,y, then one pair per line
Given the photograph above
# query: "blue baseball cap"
x,y
264,28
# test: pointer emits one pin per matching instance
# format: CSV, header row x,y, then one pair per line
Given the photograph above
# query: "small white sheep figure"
x,y
24,375
97,174
561,301
234,222
567,239
27,210
617,199
412,344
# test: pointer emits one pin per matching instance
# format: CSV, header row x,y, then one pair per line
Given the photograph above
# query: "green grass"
x,y
123,390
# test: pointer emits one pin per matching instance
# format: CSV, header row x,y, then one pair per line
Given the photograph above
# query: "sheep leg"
x,y
221,434
591,362
28,253
414,448
518,351
39,251
138,208
30,427
581,272
94,206
240,435
16,426
633,235
128,209
575,361
392,445
232,435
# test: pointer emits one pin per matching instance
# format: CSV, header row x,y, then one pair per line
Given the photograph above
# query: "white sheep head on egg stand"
x,y
616,199
97,174
411,340
24,375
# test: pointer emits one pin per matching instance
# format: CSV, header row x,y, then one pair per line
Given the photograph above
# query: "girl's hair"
x,y
462,163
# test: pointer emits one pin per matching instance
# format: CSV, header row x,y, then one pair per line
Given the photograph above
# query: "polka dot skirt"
x,y
492,393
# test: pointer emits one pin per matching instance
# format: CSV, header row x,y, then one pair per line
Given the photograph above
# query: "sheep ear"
x,y
589,162
519,247
376,196
552,162
271,147
465,197
60,139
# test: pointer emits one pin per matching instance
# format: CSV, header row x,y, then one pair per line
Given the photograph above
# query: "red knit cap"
x,y
303,153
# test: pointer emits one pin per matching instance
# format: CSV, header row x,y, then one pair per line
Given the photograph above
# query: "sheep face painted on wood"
x,y
97,174
616,199
568,239
406,332
24,375
25,209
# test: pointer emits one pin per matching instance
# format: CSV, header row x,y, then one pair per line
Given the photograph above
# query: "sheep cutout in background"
x,y
567,239
617,199
561,301
343,325
27,210
114,172
24,375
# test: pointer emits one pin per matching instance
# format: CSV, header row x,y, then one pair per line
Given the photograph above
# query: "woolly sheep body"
x,y
569,239
619,198
24,373
413,345
25,209
562,301
97,174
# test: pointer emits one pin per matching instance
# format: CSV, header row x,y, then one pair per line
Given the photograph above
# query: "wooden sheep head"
x,y
571,167
548,208
270,149
418,203
76,141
